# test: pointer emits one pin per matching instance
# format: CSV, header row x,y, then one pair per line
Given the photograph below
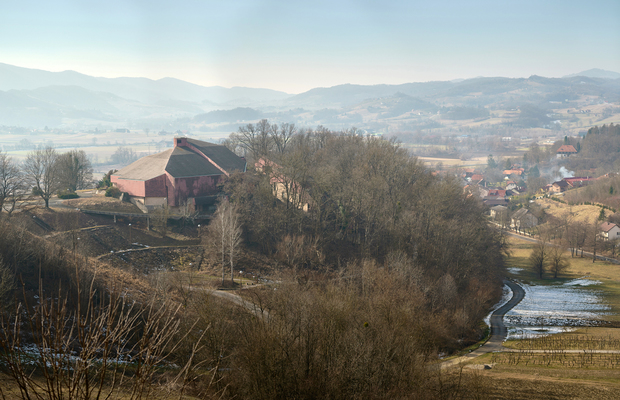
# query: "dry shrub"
x,y
111,346
364,335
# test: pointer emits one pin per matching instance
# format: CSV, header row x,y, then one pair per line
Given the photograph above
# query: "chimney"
x,y
181,141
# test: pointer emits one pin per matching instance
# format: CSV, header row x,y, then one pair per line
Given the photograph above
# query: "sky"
x,y
294,46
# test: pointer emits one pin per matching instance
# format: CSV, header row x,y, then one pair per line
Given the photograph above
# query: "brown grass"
x,y
582,213
535,376
536,382
103,203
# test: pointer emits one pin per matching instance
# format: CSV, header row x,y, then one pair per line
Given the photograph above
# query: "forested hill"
x,y
369,202
599,150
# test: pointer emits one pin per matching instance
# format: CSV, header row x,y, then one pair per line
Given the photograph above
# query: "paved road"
x,y
498,329
560,351
587,253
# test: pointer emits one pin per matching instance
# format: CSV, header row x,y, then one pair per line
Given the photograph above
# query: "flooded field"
x,y
550,309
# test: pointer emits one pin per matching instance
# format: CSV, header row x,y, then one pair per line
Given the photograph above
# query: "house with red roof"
x,y
497,193
514,171
579,181
610,231
478,179
566,150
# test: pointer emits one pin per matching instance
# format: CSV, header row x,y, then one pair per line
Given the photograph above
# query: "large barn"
x,y
185,177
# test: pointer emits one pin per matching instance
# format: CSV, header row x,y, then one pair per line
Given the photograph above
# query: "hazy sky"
x,y
297,45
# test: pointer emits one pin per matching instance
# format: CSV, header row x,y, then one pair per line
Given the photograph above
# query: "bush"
x,y
113,191
66,194
105,181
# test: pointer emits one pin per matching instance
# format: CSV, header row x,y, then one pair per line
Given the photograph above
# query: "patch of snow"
x,y
582,282
514,270
551,309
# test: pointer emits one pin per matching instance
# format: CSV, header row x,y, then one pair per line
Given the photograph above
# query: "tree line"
x,y
378,265
324,199
43,173
600,150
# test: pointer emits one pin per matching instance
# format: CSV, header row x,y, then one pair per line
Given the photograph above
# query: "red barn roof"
x,y
567,148
607,226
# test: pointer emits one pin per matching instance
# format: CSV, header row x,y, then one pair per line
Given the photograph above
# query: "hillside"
x,y
36,98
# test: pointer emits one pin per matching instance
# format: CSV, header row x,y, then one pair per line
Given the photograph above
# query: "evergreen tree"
x,y
491,164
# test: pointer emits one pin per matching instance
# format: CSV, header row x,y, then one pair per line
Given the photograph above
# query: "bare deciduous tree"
x,y
74,170
539,257
255,140
124,156
11,183
7,283
225,235
111,349
557,261
282,136
40,171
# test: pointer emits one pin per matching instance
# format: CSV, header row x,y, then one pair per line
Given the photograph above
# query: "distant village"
x,y
497,196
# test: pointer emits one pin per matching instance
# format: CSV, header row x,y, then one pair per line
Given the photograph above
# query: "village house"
x,y
523,219
559,187
186,178
497,193
578,181
285,188
514,171
565,151
610,231
468,172
478,180
499,214
491,201
569,183
511,185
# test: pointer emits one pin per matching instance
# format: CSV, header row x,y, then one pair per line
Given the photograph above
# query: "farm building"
x,y
566,150
184,178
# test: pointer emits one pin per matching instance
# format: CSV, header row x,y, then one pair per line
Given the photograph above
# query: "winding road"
x,y
498,329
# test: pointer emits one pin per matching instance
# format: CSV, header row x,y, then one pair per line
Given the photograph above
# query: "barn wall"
x,y
156,187
134,188
195,187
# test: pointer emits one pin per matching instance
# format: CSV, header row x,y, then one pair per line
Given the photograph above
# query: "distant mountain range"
x,y
596,73
35,98
137,89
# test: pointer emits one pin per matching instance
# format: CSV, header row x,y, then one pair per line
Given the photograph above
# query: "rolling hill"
x,y
35,98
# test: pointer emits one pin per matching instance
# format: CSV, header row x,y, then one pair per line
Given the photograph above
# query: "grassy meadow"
x,y
558,374
583,213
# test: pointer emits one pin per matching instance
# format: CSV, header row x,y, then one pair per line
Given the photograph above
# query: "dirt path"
x,y
240,301
498,329
146,249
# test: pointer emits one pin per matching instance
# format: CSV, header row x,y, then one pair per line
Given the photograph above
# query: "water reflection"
x,y
553,309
